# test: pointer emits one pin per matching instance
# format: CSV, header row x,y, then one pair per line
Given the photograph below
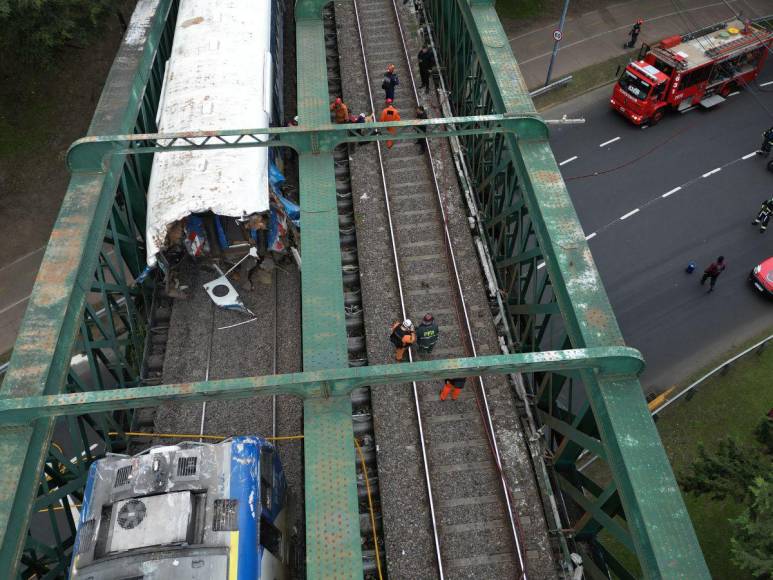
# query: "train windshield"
x,y
634,86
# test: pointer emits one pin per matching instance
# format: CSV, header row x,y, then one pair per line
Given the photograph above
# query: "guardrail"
x,y
722,369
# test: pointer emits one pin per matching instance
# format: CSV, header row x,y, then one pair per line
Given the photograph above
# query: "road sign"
x,y
557,35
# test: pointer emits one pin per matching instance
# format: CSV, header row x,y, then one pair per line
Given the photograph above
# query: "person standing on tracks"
x,y
390,113
426,64
634,34
341,111
421,114
403,337
389,83
427,334
763,217
713,271
453,387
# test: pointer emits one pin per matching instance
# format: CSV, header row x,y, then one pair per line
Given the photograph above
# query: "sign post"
x,y
558,34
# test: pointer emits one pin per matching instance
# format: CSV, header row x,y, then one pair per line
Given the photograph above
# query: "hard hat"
x,y
389,101
428,317
407,323
338,100
640,21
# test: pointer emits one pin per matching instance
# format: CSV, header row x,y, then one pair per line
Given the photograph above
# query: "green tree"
x,y
32,30
752,541
726,473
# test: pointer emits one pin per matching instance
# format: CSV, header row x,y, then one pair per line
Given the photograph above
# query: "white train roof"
x,y
218,77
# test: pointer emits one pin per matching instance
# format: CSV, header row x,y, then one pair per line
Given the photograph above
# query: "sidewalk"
x,y
599,35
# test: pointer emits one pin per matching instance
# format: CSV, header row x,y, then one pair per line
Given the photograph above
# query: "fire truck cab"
x,y
680,72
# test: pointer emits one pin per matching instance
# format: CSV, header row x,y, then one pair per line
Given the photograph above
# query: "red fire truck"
x,y
681,72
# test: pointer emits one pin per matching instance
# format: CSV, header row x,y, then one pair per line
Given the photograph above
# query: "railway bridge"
x,y
562,337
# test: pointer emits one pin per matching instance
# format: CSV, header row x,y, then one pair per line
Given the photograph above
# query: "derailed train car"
x,y
193,511
224,73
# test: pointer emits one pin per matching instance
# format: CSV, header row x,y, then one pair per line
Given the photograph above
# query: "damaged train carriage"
x,y
224,204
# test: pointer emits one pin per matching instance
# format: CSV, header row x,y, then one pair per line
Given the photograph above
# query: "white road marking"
x,y
672,192
24,257
540,265
712,172
766,84
610,141
590,236
734,93
15,304
565,161
629,214
748,155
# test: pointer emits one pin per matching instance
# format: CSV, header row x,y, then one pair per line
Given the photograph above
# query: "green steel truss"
x,y
84,305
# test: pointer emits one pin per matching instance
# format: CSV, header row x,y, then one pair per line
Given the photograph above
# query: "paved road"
x,y
663,311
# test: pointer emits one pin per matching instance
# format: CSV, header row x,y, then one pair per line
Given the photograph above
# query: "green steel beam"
x,y
330,382
333,547
660,527
90,154
41,357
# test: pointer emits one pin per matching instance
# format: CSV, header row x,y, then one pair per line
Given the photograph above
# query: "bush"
x,y
32,30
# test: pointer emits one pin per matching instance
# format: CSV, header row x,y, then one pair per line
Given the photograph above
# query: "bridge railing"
x,y
555,300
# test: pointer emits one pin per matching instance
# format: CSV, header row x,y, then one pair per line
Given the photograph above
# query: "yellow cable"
x,y
370,506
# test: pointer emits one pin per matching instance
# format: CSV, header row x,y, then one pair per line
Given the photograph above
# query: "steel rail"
x,y
514,527
414,386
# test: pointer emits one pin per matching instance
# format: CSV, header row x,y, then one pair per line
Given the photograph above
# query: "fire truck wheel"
x,y
656,117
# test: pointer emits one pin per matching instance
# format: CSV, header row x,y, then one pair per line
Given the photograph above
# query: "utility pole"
x,y
557,36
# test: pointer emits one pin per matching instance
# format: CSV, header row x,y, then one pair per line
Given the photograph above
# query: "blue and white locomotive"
x,y
193,511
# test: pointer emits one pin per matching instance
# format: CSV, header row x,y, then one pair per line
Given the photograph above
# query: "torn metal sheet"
x,y
224,295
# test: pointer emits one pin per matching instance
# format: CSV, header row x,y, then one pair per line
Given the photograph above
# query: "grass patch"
x,y
517,9
584,80
730,405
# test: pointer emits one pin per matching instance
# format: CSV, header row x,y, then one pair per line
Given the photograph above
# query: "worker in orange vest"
x,y
389,114
403,337
341,111
452,384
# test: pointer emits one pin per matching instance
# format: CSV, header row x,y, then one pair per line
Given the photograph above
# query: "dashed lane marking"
x,y
672,192
749,155
766,84
712,172
609,142
629,214
734,93
540,265
590,236
565,161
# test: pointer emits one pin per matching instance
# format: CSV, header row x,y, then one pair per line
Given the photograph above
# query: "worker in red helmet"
x,y
634,34
453,387
427,334
341,111
390,113
390,82
403,336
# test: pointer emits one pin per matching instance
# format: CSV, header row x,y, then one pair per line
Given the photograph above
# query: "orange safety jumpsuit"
x,y
389,114
341,112
402,339
452,384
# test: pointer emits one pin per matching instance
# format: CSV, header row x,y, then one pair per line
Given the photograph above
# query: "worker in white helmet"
x,y
403,337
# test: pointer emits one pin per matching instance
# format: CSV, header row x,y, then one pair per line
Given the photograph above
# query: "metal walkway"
x,y
562,330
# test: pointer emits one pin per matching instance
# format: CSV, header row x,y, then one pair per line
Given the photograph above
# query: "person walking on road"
x,y
763,217
767,142
427,334
426,64
421,113
390,113
341,111
403,337
453,387
390,82
634,34
713,272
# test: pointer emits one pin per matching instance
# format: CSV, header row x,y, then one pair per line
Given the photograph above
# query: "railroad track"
x,y
481,538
